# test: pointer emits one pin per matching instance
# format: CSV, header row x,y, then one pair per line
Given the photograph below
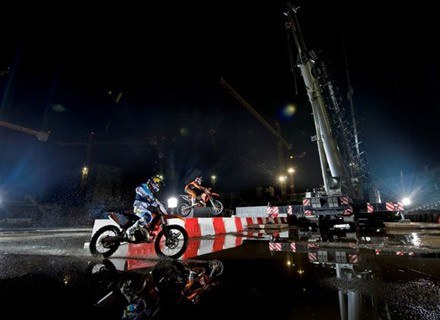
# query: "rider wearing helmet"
x,y
191,188
146,201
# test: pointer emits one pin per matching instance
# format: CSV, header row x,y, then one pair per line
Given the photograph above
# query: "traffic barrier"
x,y
197,227
265,211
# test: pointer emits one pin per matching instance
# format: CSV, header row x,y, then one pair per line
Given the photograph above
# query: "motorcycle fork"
x,y
164,223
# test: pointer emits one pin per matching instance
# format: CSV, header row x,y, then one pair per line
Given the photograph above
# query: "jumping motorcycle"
x,y
169,240
185,208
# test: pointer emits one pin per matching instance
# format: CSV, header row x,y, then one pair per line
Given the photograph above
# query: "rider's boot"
x,y
193,202
131,230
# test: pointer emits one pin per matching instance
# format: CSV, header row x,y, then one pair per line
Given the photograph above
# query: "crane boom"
x,y
41,135
244,103
332,168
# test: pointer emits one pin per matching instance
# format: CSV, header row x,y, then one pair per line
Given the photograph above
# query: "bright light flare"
x,y
289,110
406,201
172,202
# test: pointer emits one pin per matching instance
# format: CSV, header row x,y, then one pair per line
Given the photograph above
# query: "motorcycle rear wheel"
x,y
184,209
217,210
105,241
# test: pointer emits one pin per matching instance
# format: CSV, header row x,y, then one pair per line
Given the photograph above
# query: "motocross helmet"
x,y
155,183
198,180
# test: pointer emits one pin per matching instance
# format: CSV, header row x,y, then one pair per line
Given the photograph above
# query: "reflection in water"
x,y
151,292
368,286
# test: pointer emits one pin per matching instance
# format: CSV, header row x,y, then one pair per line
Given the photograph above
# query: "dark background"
x,y
149,72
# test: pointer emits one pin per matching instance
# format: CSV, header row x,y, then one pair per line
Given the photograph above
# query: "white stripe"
x,y
205,246
230,242
244,223
230,225
177,221
206,226
99,223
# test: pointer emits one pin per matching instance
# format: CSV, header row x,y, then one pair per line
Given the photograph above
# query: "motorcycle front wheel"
x,y
105,241
171,243
184,209
216,267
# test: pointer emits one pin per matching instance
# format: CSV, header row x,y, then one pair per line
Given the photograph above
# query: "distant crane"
x,y
41,135
276,132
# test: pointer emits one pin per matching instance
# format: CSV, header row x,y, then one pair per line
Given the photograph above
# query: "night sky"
x,y
133,73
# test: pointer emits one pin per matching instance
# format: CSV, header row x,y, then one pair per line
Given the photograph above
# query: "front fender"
x,y
173,216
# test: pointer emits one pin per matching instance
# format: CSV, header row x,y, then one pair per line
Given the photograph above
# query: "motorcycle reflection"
x,y
146,293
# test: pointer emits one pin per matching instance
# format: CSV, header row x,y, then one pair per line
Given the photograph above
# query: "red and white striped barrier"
x,y
198,227
196,247
384,252
272,212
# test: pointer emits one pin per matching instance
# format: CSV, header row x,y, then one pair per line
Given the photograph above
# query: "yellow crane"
x,y
280,140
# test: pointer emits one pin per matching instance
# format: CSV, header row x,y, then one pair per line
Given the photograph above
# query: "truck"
x,y
347,192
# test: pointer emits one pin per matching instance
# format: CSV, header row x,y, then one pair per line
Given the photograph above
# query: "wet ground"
x,y
290,274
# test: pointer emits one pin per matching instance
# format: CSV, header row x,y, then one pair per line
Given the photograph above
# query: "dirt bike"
x,y
169,240
185,208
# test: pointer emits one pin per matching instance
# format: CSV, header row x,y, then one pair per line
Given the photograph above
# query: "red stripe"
x,y
219,242
259,220
389,206
293,246
192,227
133,264
192,250
219,225
238,224
249,220
238,241
139,250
